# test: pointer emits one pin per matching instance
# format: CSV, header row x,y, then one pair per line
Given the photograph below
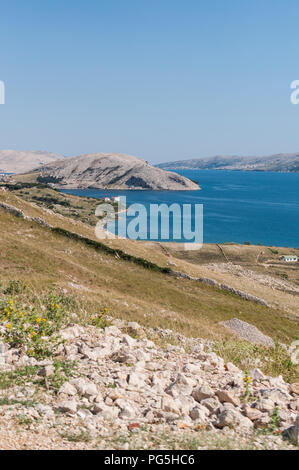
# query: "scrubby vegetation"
x,y
23,185
74,207
49,201
112,251
33,328
272,361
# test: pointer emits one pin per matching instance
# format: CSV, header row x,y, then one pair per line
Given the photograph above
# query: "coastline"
x,y
239,207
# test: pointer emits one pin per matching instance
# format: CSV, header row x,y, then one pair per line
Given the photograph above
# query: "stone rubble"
x,y
249,332
126,378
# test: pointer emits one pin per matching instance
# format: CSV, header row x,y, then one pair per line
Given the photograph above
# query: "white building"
x,y
289,258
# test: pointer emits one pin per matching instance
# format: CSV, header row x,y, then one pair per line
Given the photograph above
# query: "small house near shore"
x,y
289,258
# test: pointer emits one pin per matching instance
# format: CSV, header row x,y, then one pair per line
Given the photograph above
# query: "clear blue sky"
x,y
159,79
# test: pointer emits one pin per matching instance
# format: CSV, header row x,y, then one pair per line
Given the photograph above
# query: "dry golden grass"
x,y
261,260
39,258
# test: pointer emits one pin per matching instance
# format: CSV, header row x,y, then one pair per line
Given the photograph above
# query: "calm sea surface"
x,y
253,207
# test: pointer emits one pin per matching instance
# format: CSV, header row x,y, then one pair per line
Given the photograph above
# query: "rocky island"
x,y
111,171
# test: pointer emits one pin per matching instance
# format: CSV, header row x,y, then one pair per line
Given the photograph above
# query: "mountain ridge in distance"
x,y
23,161
283,162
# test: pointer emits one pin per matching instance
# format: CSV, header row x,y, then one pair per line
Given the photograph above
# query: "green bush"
x,y
13,288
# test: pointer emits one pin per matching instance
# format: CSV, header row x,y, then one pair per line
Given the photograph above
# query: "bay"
x,y
256,207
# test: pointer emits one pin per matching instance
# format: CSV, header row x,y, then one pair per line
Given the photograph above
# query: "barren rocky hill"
x,y
280,162
111,171
16,161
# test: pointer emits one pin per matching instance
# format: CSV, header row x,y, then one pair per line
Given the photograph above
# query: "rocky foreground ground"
x,y
115,388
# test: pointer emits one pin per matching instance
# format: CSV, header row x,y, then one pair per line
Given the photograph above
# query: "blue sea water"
x,y
255,207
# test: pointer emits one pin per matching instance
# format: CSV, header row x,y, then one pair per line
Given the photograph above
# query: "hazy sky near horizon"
x,y
160,79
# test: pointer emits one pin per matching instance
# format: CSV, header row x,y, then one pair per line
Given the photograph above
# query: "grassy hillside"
x,y
253,269
39,258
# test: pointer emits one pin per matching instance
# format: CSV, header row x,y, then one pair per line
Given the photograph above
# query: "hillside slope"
x,y
280,162
255,270
40,256
175,380
111,171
